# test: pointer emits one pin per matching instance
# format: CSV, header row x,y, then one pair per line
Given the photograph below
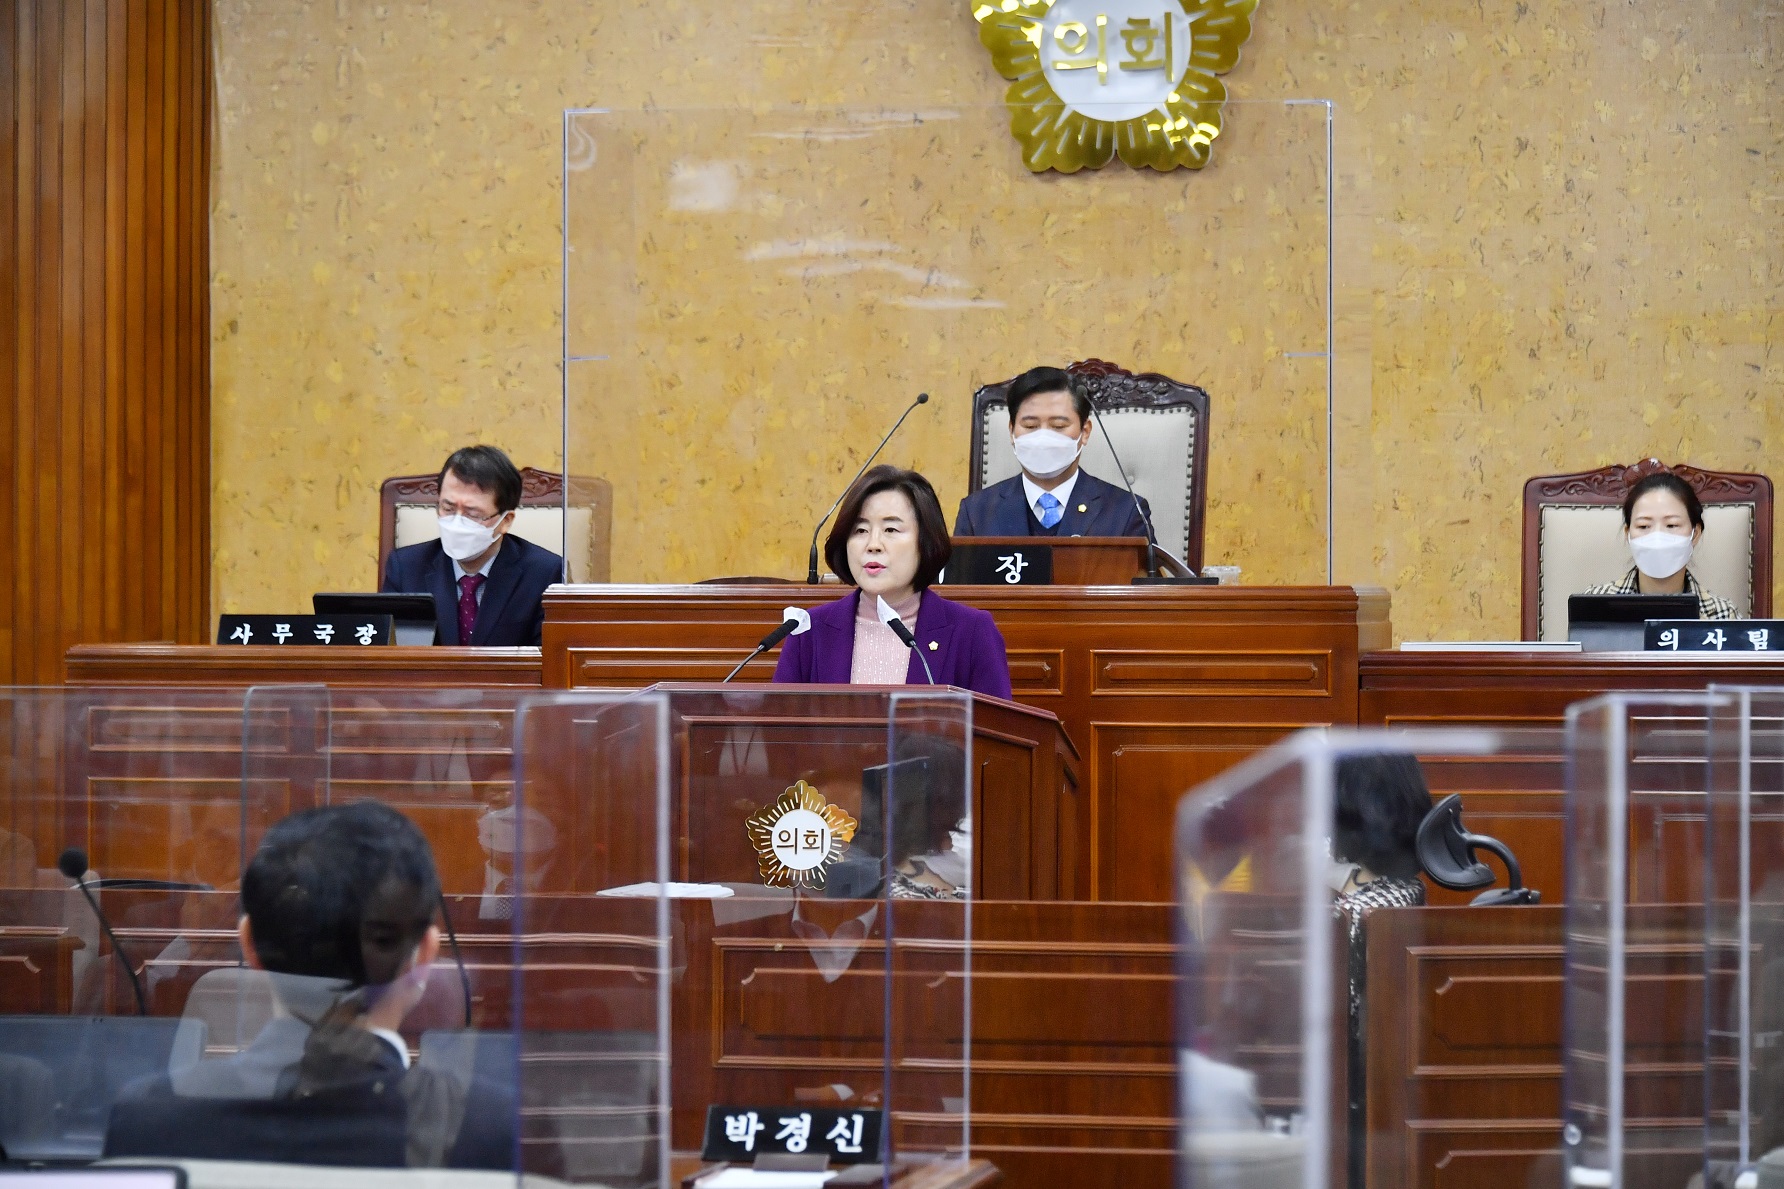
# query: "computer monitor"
x,y
1618,622
416,621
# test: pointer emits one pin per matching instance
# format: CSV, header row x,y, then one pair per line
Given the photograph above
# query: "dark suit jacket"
x,y
233,1111
512,612
961,643
1001,510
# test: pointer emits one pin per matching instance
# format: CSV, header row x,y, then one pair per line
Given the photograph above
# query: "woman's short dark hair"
x,y
1665,481
1377,806
933,547
341,892
1037,380
487,469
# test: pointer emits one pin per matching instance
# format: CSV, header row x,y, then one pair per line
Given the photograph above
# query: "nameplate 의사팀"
x,y
1715,635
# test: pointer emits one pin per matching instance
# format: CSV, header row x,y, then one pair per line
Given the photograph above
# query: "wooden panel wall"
x,y
104,327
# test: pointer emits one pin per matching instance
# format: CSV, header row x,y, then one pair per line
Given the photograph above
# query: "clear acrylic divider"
x,y
823,1002
819,267
1633,1088
926,847
1280,870
119,862
594,954
1744,931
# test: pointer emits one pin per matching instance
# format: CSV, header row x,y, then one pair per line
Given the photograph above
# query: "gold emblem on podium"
x,y
1093,79
799,837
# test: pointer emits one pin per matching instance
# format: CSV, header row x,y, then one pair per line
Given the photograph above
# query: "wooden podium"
x,y
1081,561
734,749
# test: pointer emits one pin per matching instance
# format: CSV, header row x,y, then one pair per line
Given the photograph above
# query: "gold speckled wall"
x,y
1557,247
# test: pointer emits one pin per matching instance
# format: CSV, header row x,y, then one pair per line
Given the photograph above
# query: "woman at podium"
x,y
889,542
1663,521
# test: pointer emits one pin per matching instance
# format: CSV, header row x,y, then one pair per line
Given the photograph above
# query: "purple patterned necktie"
x,y
467,606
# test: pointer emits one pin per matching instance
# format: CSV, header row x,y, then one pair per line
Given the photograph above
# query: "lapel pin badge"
x,y
1083,508
933,646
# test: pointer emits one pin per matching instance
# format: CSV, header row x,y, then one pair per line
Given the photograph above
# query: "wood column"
x,y
104,327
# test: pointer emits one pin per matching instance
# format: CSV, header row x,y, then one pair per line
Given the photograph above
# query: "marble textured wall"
x,y
1556,248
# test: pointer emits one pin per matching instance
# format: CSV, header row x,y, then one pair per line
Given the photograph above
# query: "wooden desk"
x,y
1464,1036
210,664
1159,688
1522,802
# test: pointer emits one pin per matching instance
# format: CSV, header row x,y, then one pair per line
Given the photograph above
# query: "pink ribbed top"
x,y
880,656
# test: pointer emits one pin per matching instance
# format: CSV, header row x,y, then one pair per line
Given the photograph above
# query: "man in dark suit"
x,y
338,911
488,585
1053,496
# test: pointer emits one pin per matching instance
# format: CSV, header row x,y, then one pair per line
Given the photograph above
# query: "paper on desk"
x,y
749,1178
674,891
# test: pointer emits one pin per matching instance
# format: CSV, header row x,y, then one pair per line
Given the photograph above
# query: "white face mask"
x,y
1045,453
1660,554
463,538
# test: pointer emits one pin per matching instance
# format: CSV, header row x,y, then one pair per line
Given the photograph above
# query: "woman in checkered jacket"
x,y
1663,520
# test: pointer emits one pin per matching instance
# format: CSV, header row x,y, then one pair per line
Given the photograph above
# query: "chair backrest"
x,y
407,516
1573,539
1160,430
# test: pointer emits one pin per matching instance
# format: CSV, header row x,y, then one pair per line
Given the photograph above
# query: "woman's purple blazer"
x,y
961,643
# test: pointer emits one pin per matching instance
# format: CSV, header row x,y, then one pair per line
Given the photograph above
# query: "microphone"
x,y
1153,577
73,864
890,618
795,621
464,979
811,561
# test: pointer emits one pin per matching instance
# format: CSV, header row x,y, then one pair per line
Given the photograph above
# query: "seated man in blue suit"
x,y
488,584
338,909
1053,496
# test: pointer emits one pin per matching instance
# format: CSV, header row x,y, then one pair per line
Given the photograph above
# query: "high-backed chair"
x,y
1573,538
408,515
1160,427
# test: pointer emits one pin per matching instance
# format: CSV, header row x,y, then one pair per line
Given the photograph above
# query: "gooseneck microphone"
x,y
464,978
811,562
795,621
1152,574
73,863
890,618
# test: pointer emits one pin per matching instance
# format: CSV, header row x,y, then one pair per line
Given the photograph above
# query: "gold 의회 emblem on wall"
x,y
799,837
1095,79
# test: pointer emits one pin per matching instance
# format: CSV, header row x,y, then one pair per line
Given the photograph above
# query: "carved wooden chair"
x,y
1160,427
1573,538
408,515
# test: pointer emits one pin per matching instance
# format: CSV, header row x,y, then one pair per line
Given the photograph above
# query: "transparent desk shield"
x,y
1294,868
824,855
753,295
533,1013
119,867
1744,931
1633,1045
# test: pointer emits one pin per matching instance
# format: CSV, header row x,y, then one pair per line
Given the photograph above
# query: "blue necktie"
x,y
1051,512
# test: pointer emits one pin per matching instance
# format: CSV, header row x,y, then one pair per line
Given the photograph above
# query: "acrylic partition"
x,y
1278,866
1633,1046
754,295
120,863
822,858
543,1007
1744,932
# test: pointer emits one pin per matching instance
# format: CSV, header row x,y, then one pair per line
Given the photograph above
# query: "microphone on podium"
x,y
890,618
811,562
73,863
795,621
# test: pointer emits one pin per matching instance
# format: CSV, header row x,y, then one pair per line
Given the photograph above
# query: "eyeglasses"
x,y
446,509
